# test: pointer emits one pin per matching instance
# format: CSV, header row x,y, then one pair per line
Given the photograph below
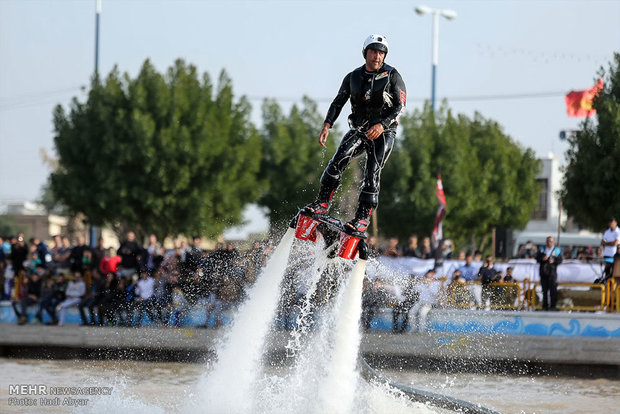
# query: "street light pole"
x,y
98,12
93,229
448,14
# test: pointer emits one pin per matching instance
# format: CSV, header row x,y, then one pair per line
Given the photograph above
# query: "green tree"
x,y
292,161
488,179
591,178
158,153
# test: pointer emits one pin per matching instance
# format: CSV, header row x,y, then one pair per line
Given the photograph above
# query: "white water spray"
x,y
338,390
228,388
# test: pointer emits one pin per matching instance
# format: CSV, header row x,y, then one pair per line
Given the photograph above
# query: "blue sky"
x,y
493,51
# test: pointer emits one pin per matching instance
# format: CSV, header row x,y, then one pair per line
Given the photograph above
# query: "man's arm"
x,y
399,99
339,101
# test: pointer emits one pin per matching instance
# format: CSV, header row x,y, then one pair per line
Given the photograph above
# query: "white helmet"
x,y
376,42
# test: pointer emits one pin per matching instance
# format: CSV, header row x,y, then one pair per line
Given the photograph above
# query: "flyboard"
x,y
341,241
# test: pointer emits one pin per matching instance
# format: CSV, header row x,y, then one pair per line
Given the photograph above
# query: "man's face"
x,y
374,59
549,241
613,224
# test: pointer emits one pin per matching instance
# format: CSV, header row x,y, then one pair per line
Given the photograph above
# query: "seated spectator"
x,y
412,249
109,301
507,295
373,298
126,291
468,270
58,296
508,277
410,295
458,293
145,297
487,275
428,293
62,263
73,295
568,253
46,303
31,293
9,279
393,249
92,299
179,305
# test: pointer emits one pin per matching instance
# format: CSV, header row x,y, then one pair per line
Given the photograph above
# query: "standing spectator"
x,y
43,252
154,254
77,254
373,247
412,249
19,254
393,249
131,254
611,239
487,275
62,263
527,251
427,249
98,253
109,264
468,270
31,296
94,298
549,258
193,257
73,296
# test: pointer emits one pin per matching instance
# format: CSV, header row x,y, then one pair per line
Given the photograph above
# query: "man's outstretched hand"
x,y
323,135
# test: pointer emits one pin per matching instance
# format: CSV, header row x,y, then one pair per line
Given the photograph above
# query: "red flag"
x,y
579,103
438,230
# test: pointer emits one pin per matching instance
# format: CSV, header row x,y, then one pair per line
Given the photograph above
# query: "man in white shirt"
x,y
611,239
145,296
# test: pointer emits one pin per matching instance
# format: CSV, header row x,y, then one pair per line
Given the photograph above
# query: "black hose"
x,y
421,396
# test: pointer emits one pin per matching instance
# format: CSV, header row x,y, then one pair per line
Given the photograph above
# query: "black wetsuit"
x,y
376,97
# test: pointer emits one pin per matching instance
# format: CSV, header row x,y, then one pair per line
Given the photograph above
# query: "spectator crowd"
x,y
120,286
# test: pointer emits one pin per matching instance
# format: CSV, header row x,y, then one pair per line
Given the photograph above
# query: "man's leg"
x,y
83,304
377,153
351,146
544,284
553,291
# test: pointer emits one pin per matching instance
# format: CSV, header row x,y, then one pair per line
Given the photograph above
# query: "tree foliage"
x,y
488,179
591,181
292,161
159,153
